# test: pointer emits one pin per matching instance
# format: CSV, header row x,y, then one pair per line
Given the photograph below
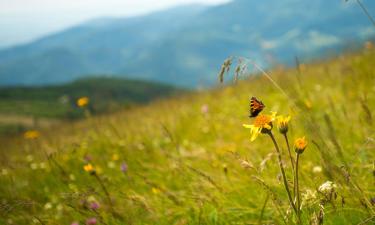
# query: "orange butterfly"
x,y
256,107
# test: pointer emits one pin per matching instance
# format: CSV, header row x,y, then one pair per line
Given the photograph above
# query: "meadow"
x,y
189,160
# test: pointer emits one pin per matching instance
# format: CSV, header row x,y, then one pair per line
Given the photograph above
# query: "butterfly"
x,y
256,106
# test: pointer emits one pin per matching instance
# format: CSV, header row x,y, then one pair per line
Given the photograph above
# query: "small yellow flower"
x,y
82,102
155,190
262,124
31,134
282,124
299,145
308,104
115,157
88,168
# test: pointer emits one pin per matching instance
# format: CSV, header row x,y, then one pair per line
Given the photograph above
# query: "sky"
x,y
22,21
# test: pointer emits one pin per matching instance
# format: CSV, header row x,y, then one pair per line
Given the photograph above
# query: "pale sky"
x,y
22,21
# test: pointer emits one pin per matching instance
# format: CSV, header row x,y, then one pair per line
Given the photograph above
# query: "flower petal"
x,y
254,133
248,126
267,126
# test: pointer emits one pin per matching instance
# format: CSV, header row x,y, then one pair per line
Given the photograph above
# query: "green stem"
x,y
283,174
292,163
297,187
290,154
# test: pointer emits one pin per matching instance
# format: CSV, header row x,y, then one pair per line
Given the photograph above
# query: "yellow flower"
x,y
262,124
88,168
31,134
115,157
300,145
282,124
155,190
83,101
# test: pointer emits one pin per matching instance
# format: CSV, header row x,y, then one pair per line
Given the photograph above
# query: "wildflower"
x,y
115,157
31,134
327,187
204,109
82,102
155,190
48,205
317,169
262,124
124,167
91,221
94,205
89,168
372,201
282,124
308,104
300,145
75,223
34,166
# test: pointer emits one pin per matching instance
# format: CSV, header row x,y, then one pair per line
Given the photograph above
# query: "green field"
x,y
24,108
189,160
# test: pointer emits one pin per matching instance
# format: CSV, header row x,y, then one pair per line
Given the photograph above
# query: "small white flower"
x,y
317,169
34,166
48,205
327,187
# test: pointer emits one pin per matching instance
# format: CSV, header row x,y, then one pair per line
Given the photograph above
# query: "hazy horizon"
x,y
21,22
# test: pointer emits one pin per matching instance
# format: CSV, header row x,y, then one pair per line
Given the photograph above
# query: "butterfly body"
x,y
256,106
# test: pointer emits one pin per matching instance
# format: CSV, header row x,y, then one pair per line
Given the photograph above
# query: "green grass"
x,y
186,166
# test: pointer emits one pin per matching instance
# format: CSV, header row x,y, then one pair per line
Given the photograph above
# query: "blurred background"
x,y
119,53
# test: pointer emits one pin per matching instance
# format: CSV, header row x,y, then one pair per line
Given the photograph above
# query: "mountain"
x,y
185,45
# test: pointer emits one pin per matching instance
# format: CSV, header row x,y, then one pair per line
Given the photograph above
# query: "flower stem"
x,y
297,187
283,174
290,154
292,163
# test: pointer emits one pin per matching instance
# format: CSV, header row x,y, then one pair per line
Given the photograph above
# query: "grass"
x,y
189,160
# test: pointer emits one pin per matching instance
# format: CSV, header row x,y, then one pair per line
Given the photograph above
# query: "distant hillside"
x,y
185,45
23,106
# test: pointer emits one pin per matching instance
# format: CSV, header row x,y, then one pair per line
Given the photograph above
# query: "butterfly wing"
x,y
256,107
